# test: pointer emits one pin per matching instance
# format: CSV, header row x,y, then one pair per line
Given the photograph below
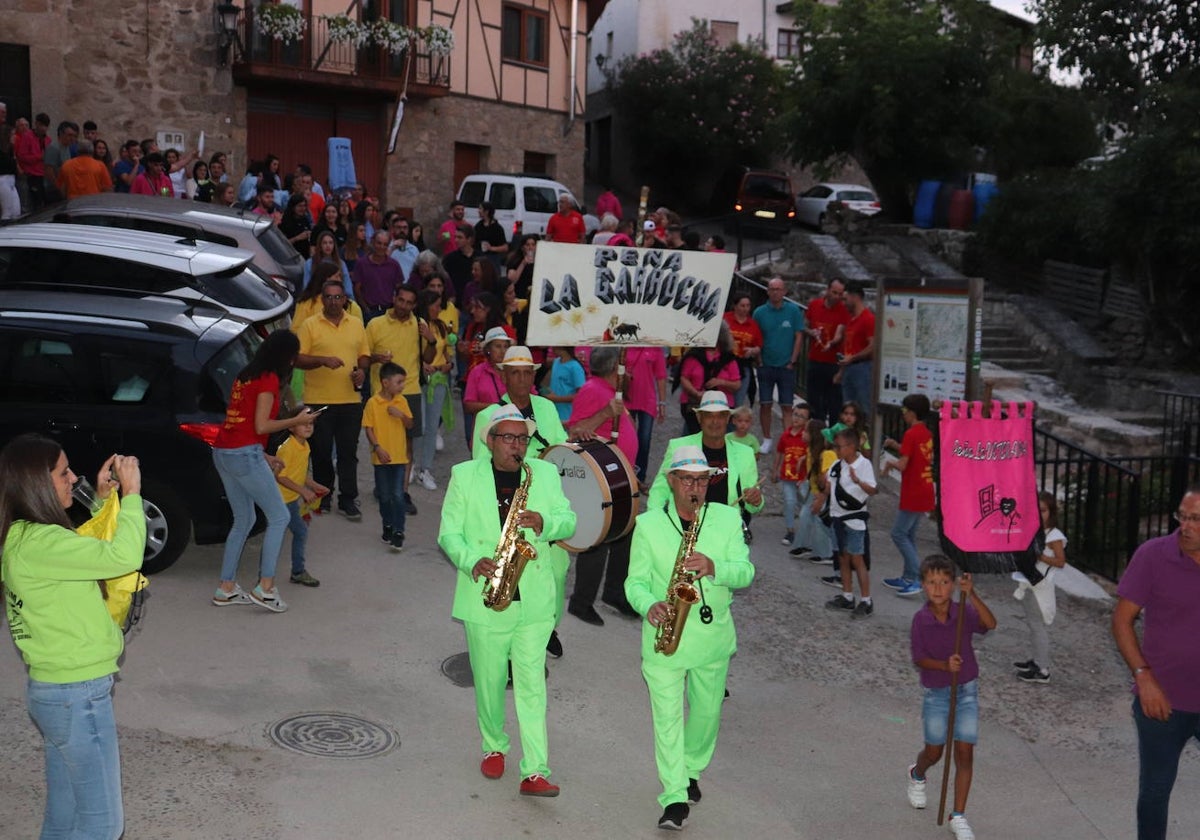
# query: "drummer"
x,y
517,371
596,408
735,481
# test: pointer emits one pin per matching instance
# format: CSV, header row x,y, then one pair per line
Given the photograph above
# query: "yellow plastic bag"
x,y
119,591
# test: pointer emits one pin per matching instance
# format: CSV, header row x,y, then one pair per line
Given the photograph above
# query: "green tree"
x,y
696,107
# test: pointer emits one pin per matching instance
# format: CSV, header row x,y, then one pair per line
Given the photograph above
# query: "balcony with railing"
x,y
316,59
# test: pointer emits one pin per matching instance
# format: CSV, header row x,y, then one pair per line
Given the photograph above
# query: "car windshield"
x,y
766,186
224,367
244,287
855,195
277,245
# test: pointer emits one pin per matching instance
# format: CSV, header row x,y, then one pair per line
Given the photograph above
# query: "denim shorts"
x,y
772,378
847,539
935,709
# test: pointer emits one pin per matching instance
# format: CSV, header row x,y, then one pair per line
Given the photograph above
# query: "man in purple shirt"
x,y
376,278
1162,584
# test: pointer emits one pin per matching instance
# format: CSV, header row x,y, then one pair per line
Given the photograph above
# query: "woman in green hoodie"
x,y
61,626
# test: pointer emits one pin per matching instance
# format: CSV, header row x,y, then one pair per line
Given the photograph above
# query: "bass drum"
x,y
601,486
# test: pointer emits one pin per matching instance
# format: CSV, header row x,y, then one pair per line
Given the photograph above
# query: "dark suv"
x,y
144,376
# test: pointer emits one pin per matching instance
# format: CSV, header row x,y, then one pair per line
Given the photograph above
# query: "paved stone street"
x,y
823,719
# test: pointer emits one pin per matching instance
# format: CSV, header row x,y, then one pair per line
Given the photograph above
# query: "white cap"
x,y
495,334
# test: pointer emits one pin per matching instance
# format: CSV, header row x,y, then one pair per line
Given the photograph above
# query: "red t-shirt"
x,y
859,331
744,335
794,454
916,482
569,228
238,429
827,320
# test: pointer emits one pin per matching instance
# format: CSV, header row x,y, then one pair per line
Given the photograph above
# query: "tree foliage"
x,y
696,107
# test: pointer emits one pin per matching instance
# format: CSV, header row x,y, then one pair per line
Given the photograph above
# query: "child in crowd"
x,y
386,421
1039,601
851,480
742,418
916,489
933,641
813,536
566,378
298,490
791,458
850,417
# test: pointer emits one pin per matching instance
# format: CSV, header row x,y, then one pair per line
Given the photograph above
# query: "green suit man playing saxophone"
x,y
476,507
719,564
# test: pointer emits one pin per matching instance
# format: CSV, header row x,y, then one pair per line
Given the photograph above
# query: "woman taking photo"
x,y
240,456
59,622
520,265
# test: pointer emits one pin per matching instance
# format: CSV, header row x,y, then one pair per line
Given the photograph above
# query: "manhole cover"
x,y
457,669
333,735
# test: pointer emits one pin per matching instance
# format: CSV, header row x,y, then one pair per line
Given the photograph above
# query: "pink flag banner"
x,y
987,496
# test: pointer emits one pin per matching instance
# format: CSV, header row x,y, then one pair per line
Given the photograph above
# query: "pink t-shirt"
x,y
483,384
645,367
693,372
446,236
592,397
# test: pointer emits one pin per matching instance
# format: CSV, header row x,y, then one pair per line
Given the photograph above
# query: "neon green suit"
x,y
743,470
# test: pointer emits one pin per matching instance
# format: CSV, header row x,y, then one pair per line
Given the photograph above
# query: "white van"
x,y
524,203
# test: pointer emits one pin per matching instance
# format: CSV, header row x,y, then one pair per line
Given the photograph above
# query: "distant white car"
x,y
812,205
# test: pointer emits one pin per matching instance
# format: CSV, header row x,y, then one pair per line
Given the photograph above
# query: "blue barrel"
x,y
923,207
984,193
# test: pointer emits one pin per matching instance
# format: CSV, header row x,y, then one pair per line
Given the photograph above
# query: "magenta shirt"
x,y
693,372
593,396
1165,583
931,639
645,367
484,384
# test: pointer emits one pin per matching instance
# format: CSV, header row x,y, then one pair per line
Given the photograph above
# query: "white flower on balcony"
x,y
393,37
345,29
438,39
280,21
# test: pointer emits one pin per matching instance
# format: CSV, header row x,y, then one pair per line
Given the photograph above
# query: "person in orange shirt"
x,y
83,174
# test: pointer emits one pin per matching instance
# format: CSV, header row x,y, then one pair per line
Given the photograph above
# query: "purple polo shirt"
x,y
1165,583
378,281
931,639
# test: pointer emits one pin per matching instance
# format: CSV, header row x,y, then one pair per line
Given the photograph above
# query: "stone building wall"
x,y
421,173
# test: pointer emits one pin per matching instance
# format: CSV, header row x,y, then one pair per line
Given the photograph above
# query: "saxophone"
x,y
681,594
512,552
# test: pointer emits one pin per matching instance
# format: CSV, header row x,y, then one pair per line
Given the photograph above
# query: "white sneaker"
x,y
427,480
916,789
439,444
765,449
961,830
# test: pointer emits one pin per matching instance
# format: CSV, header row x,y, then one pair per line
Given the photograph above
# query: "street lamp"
x,y
600,59
225,21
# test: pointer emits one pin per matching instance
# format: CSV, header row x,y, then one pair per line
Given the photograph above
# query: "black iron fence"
x,y
1181,423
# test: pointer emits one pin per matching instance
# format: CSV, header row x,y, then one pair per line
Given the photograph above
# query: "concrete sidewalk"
x,y
823,719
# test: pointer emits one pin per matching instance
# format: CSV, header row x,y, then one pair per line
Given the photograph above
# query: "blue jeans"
x,y
299,529
856,386
644,421
248,482
1160,743
904,535
791,499
389,486
935,714
426,445
812,533
83,763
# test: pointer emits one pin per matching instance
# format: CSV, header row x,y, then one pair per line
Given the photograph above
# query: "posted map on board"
x,y
924,343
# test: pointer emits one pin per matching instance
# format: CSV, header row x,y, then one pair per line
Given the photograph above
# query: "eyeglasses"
x,y
334,297
1188,518
507,438
691,480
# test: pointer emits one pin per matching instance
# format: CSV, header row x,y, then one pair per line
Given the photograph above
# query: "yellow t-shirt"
x,y
389,430
305,309
403,339
450,316
828,459
294,454
346,340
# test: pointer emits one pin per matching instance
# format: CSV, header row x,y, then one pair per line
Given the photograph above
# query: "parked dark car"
x,y
113,372
755,198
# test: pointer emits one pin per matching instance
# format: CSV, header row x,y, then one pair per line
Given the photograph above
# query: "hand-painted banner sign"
x,y
987,487
596,295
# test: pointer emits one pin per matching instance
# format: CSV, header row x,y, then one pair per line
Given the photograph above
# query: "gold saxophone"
x,y
512,552
681,594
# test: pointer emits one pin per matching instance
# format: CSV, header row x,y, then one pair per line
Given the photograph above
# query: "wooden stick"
x,y
948,749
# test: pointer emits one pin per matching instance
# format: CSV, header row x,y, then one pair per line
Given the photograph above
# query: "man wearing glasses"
x,y
472,521
335,353
1162,584
697,669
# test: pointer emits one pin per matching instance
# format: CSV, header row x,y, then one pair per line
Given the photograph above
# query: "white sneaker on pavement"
x,y
916,789
765,448
439,444
962,831
427,480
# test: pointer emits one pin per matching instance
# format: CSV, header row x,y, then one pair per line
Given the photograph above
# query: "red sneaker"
x,y
537,785
492,765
